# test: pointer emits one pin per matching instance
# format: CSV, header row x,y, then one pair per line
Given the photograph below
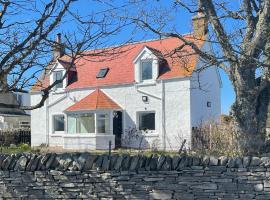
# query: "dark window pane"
x,y
58,122
147,70
102,73
58,76
147,121
72,77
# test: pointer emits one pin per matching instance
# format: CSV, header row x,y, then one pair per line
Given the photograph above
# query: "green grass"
x,y
13,149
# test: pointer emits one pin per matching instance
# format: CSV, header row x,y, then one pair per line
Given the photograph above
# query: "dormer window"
x,y
146,65
58,75
147,70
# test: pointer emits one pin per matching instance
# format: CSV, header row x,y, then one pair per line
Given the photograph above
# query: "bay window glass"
x,y
81,123
71,124
146,70
103,123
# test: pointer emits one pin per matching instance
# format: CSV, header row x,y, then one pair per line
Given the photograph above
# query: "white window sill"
x,y
59,91
63,134
58,133
151,133
147,83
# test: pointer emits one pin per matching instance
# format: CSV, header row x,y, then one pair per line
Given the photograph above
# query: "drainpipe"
x,y
47,121
163,115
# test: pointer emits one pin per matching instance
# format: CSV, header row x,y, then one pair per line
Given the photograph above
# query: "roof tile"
x,y
180,64
97,100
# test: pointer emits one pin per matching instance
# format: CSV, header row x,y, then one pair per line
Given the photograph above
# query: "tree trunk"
x,y
250,113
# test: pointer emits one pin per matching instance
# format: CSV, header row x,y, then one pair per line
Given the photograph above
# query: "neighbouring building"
x,y
147,87
10,116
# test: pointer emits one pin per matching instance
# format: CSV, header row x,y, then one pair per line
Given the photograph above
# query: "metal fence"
x,y
15,136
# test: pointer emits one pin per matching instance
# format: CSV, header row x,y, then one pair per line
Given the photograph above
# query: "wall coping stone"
x,y
92,162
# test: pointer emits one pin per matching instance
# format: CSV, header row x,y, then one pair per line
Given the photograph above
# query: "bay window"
x,y
87,123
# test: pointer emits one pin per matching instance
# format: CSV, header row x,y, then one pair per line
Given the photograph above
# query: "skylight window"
x,y
102,73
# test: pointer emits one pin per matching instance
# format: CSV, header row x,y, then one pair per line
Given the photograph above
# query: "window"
x,y
103,123
23,124
19,99
81,123
58,123
102,73
146,70
146,120
58,75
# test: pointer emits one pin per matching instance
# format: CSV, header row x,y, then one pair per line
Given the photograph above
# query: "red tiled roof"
x,y
121,64
97,100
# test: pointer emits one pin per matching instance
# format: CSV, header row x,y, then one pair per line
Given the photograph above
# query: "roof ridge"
x,y
137,42
97,97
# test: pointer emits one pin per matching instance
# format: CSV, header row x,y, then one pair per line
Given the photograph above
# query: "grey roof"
x,y
9,105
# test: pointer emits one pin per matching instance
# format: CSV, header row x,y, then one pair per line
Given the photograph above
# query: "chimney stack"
x,y
58,47
200,24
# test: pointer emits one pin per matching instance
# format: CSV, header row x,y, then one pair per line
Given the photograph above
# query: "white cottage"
x,y
148,87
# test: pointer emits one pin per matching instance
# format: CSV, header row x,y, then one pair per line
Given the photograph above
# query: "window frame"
x,y
101,75
54,74
138,120
98,118
141,69
76,122
53,123
96,113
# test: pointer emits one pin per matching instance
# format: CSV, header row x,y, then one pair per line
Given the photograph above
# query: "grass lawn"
x,y
22,148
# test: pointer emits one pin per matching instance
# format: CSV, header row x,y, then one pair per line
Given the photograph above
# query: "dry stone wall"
x,y
88,176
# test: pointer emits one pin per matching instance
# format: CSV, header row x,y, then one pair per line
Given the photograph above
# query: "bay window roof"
x,y
97,100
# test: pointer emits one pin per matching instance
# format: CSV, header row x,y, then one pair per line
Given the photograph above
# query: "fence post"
x,y
110,148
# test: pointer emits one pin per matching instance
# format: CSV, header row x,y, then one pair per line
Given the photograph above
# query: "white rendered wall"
x,y
185,106
177,109
205,87
38,122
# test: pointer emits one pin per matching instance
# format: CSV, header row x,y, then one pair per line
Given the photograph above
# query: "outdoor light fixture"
x,y
145,99
208,104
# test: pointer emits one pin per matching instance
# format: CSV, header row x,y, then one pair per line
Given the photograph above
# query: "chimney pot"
x,y
58,47
58,38
200,26
200,23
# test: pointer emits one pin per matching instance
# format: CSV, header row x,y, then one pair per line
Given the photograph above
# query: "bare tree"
x,y
27,32
240,34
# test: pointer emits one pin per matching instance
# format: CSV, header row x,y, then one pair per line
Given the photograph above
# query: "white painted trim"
x,y
145,49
